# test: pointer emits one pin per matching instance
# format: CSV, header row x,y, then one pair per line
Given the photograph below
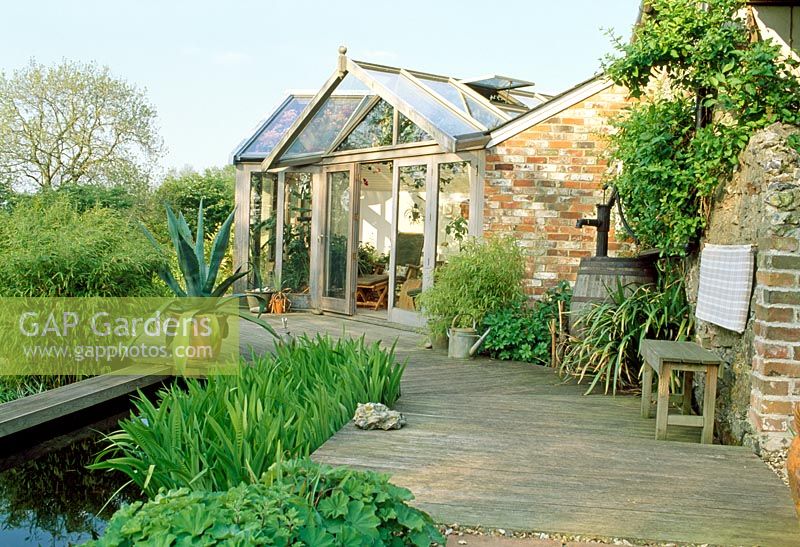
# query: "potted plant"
x,y
370,261
262,292
199,278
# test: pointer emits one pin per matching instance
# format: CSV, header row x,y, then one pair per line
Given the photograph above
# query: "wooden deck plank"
x,y
38,409
510,445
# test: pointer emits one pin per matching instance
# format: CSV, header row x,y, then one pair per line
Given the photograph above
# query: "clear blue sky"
x,y
214,69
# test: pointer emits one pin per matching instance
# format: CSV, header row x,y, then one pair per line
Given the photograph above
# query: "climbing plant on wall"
x,y
689,60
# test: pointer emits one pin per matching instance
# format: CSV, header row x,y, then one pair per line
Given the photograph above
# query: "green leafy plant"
x,y
185,190
296,503
369,259
50,248
483,277
691,61
522,332
199,273
458,228
608,352
214,434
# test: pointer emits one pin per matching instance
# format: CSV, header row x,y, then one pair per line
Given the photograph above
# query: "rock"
x,y
377,416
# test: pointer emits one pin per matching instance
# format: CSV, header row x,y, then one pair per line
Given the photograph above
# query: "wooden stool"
x,y
663,357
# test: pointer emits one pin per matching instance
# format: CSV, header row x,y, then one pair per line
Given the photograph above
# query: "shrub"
x,y
483,277
297,503
522,332
89,196
609,349
213,435
185,190
51,249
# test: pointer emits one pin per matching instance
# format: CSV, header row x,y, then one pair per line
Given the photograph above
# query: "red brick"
x,y
790,369
777,387
773,351
774,314
787,334
776,279
775,407
791,298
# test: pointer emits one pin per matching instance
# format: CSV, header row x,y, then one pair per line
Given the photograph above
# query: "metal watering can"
x,y
464,341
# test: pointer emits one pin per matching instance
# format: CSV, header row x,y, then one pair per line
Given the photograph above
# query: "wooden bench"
x,y
664,357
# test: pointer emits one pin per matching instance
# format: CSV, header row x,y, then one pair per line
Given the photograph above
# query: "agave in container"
x,y
202,297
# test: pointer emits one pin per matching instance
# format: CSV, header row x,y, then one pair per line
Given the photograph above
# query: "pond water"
x,y
48,497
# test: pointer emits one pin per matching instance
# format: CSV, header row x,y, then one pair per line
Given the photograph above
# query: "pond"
x,y
48,497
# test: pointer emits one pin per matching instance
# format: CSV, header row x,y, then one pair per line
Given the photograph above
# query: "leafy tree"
x,y
706,87
184,190
88,196
74,123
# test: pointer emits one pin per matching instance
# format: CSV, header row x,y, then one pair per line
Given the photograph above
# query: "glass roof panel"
x,y
374,130
422,102
527,100
408,131
325,126
446,90
497,82
483,114
281,121
513,112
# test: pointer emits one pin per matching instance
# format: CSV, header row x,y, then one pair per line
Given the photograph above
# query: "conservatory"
x,y
350,198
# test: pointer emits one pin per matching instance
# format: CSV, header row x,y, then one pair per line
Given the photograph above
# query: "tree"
x,y
73,124
183,191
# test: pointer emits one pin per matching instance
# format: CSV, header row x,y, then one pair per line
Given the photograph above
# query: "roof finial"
x,y
342,61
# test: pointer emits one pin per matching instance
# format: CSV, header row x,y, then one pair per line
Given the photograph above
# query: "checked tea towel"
x,y
726,281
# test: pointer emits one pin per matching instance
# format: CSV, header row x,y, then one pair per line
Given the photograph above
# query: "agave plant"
x,y
199,276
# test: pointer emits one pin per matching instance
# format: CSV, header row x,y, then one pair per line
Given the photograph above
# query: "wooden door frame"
x,y
398,315
431,219
346,305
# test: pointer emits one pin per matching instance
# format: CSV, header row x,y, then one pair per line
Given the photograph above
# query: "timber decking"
x,y
41,408
507,445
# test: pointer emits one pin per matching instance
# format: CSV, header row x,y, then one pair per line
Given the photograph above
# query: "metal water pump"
x,y
603,222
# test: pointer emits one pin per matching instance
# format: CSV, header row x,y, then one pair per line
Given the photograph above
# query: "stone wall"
x,y
761,379
541,181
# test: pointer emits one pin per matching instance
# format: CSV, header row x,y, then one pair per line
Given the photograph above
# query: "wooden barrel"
x,y
599,275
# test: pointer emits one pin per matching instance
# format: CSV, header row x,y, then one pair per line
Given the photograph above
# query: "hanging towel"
x,y
726,281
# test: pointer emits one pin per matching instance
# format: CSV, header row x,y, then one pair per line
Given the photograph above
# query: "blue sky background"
x,y
214,69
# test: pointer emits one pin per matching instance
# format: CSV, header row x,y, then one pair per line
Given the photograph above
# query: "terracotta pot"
x,y
279,303
793,462
253,302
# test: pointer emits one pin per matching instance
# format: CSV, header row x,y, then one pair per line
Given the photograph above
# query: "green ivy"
x,y
296,503
670,168
522,332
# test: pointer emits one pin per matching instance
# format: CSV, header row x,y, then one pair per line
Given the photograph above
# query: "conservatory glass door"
x,y
337,240
410,266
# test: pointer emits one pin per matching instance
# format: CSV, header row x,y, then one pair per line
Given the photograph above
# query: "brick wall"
x,y
776,361
760,380
541,181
